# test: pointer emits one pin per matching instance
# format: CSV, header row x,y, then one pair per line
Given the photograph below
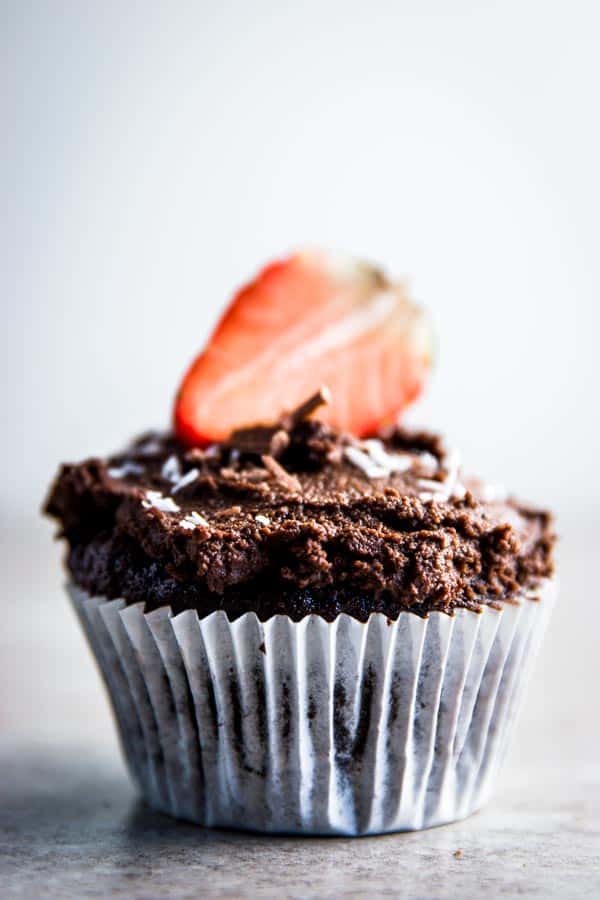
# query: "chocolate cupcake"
x,y
302,630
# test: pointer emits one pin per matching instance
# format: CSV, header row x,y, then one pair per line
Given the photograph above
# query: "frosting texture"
x,y
296,518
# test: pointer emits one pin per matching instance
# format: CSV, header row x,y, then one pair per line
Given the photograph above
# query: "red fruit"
x,y
307,321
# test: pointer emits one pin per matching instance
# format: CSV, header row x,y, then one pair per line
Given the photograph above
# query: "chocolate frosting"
x,y
296,518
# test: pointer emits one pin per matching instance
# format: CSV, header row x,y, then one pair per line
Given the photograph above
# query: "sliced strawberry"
x,y
309,320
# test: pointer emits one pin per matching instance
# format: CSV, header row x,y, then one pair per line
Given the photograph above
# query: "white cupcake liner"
x,y
313,727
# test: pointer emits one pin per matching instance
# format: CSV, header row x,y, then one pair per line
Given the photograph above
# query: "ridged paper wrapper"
x,y
313,727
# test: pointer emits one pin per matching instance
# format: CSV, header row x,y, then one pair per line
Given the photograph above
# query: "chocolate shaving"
x,y
260,439
280,474
321,398
273,440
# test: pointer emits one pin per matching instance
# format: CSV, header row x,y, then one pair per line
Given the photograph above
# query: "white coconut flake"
x,y
493,492
128,468
171,469
394,462
372,457
365,463
149,447
432,490
435,486
155,500
186,479
459,491
428,460
262,520
452,466
192,519
376,461
426,496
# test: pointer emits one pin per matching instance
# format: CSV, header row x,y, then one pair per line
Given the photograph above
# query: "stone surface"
x,y
71,825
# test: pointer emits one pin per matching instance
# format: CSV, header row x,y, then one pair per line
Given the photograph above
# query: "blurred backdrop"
x,y
156,154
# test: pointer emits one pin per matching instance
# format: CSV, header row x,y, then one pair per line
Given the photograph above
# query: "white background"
x,y
156,154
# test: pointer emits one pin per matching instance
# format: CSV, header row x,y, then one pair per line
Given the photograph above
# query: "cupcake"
x,y
315,624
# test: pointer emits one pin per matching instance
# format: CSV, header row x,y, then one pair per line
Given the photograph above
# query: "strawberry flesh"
x,y
307,321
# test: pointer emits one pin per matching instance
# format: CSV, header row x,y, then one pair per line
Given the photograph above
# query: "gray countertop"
x,y
72,826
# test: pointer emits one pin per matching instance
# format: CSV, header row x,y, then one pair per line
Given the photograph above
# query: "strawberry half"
x,y
307,321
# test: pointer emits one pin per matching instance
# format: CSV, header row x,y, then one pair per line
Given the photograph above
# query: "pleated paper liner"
x,y
313,727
